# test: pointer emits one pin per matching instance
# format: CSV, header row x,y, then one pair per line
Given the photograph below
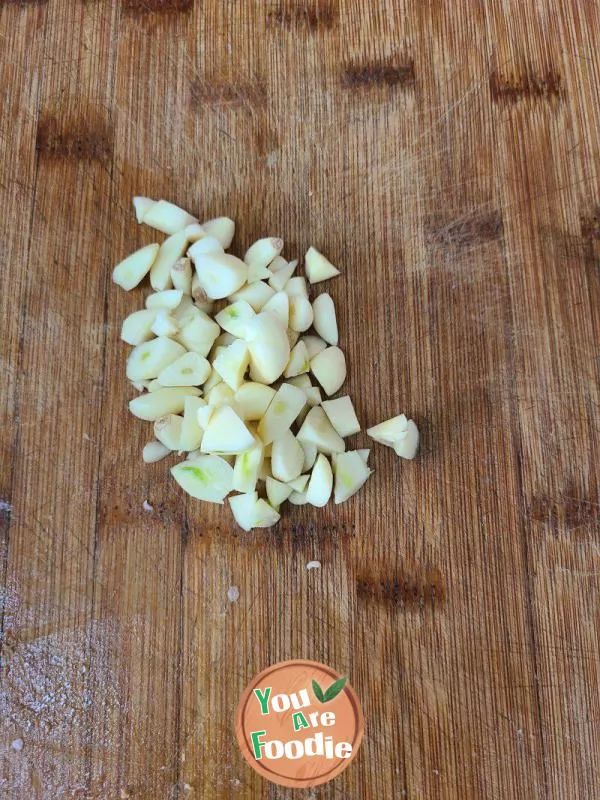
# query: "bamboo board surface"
x,y
446,156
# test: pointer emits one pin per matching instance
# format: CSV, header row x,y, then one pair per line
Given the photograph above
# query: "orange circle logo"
x,y
299,724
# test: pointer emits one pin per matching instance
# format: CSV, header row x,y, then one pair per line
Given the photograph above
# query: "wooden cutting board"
x,y
446,156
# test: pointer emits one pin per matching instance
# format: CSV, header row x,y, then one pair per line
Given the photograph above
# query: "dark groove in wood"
x,y
423,588
204,92
157,6
365,75
568,513
590,225
525,85
467,231
75,139
314,17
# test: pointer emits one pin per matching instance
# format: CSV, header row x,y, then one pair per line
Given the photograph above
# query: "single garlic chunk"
x,y
310,455
301,313
299,362
205,245
171,250
320,485
191,432
148,359
137,327
262,252
283,409
296,287
408,446
277,492
168,299
190,369
232,363
325,322
222,228
167,217
350,472
247,468
329,368
287,457
268,347
129,272
141,206
317,429
220,274
398,432
242,507
279,305
153,405
207,478
317,267
226,433
342,415
264,515
154,451
181,275
165,324
167,430
233,318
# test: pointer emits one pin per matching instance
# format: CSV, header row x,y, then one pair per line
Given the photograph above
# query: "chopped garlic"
x,y
228,328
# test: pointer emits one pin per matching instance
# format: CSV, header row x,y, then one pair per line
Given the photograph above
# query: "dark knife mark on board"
x,y
358,76
313,17
423,588
79,140
568,513
303,536
469,230
204,92
525,85
590,225
157,6
574,250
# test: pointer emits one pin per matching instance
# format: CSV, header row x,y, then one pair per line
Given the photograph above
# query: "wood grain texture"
x,y
447,157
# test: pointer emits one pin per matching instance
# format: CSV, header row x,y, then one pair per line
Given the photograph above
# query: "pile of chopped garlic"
x,y
224,359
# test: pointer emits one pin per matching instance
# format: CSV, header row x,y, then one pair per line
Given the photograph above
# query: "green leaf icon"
x,y
335,689
318,692
331,693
